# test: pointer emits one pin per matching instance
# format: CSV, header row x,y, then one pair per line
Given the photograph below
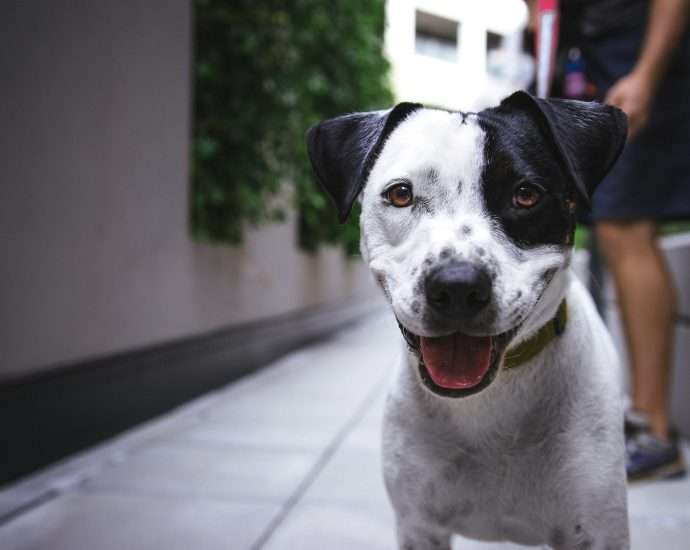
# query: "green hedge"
x,y
264,71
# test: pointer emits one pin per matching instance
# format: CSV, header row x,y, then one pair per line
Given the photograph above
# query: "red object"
x,y
546,44
457,361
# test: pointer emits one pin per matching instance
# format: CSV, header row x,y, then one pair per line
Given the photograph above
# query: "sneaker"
x,y
649,458
635,422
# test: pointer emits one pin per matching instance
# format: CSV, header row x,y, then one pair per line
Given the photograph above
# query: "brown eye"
x,y
400,195
527,196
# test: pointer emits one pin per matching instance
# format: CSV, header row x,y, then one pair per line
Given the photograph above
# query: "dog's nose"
x,y
458,290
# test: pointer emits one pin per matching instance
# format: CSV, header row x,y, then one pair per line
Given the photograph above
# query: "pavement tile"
x,y
73,470
166,470
366,435
460,543
271,420
352,476
660,533
279,433
135,522
335,526
215,474
670,499
339,375
288,403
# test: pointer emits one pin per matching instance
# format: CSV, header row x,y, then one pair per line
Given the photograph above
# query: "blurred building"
x,y
109,311
456,54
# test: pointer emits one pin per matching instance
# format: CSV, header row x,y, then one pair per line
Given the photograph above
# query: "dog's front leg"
x,y
415,537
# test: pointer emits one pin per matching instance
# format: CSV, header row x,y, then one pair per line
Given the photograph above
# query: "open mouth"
x,y
458,365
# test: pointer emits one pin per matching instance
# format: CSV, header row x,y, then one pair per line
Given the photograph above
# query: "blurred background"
x,y
161,237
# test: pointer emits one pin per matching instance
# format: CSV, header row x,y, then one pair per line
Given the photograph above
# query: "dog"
x,y
504,421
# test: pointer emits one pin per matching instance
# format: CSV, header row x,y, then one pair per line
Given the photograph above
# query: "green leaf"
x,y
266,70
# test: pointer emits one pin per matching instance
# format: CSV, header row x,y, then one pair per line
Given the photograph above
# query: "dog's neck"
x,y
546,308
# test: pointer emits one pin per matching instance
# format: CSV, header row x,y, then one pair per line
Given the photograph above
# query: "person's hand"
x,y
633,94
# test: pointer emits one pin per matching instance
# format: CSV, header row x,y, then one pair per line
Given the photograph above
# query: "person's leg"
x,y
647,298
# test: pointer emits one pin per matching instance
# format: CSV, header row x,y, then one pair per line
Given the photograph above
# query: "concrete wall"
x,y
94,143
464,84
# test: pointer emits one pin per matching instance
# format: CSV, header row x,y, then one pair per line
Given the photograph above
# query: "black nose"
x,y
458,290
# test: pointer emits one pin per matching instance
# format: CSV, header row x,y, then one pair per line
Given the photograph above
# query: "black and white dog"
x,y
504,421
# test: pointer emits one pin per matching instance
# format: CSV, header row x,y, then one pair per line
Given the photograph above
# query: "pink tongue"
x,y
457,361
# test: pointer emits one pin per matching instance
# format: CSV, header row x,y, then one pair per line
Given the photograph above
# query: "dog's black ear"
x,y
588,136
343,150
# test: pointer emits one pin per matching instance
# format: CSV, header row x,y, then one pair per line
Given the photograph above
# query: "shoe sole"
x,y
674,470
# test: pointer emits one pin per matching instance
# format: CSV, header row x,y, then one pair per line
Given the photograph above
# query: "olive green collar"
x,y
534,346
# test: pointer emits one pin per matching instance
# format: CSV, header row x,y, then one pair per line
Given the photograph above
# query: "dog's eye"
x,y
527,195
400,195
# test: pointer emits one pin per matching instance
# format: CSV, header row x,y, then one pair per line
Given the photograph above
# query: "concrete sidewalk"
x,y
285,459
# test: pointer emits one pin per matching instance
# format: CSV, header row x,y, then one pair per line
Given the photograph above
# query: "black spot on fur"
x,y
422,205
433,176
436,543
416,308
557,537
600,432
429,491
403,510
440,515
480,251
466,508
466,230
446,252
450,473
419,287
466,464
549,274
463,461
381,280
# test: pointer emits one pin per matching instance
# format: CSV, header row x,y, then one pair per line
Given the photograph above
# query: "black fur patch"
x,y
564,147
343,151
515,152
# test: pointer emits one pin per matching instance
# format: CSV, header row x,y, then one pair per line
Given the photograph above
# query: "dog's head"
x,y
468,218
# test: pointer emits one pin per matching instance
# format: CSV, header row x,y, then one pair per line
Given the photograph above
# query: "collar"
x,y
534,346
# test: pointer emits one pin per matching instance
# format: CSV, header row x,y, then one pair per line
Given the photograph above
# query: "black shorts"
x,y
651,180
